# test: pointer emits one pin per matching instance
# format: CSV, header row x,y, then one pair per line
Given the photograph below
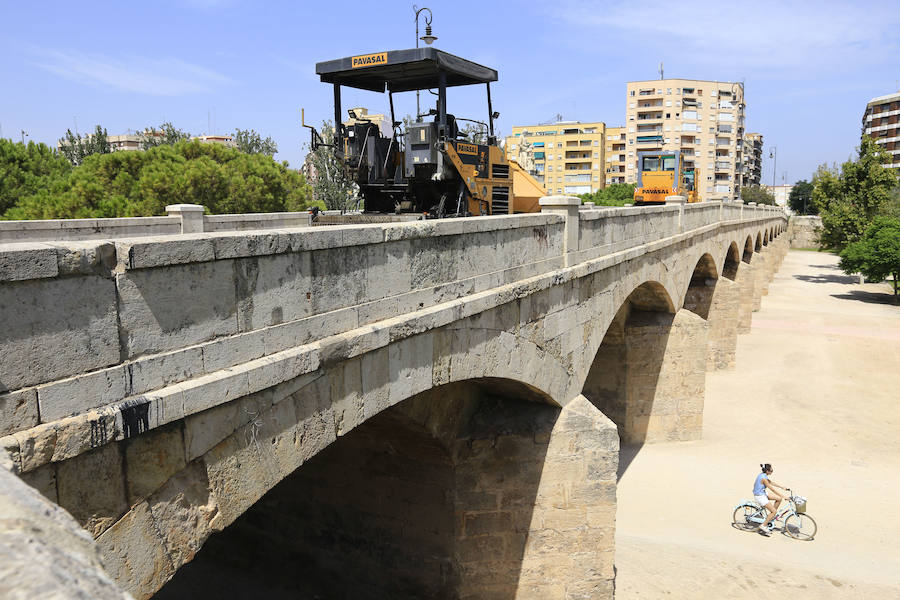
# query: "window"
x,y
550,168
512,146
668,103
690,114
595,167
549,145
632,104
668,115
596,155
631,93
668,90
559,157
596,143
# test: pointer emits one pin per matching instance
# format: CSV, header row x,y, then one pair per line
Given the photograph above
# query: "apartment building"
x,y
704,120
566,157
881,122
751,160
615,155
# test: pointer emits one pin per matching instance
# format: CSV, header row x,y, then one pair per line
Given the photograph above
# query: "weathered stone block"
x,y
273,289
95,506
185,513
153,372
81,393
27,261
134,554
18,410
151,459
155,316
43,480
69,327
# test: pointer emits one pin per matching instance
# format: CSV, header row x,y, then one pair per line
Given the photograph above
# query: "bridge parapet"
x,y
107,338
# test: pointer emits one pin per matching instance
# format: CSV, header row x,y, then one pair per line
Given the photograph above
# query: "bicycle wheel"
x,y
800,527
742,516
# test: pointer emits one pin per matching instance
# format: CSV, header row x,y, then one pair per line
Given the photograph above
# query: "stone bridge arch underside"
x,y
515,404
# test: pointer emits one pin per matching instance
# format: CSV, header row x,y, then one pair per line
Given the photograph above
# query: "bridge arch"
x,y
732,262
635,378
699,294
433,497
758,246
747,254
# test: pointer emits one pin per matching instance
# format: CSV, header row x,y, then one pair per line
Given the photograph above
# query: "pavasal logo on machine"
x,y
369,60
467,148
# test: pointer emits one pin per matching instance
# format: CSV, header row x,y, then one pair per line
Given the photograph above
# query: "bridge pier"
x,y
760,277
723,325
746,280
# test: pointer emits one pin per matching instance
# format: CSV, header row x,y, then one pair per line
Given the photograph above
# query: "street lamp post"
x,y
427,38
24,133
773,154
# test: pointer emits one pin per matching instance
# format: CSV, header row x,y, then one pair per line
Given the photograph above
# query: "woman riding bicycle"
x,y
764,493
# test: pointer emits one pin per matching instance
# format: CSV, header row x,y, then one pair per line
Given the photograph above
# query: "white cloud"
x,y
156,77
776,35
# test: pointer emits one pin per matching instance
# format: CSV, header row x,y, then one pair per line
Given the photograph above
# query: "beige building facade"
x,y
704,120
567,157
615,155
881,122
751,160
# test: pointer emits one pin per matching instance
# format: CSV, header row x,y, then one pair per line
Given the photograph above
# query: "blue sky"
x,y
215,65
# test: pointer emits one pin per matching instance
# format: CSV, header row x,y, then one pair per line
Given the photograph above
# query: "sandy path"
x,y
816,393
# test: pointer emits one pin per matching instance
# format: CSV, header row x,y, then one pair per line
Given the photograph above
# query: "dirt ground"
x,y
816,393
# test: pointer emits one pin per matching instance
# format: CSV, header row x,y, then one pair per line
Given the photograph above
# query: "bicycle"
x,y
796,523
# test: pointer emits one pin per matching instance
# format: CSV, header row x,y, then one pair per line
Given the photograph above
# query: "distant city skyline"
x,y
211,66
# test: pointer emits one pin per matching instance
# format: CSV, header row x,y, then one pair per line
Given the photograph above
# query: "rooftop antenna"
x,y
661,72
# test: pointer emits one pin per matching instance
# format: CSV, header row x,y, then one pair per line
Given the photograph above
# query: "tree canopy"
x,y
165,135
849,199
76,148
25,170
249,141
800,199
331,184
131,184
877,254
614,194
755,193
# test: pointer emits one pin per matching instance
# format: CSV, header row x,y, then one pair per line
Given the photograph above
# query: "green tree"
x,y
166,134
76,148
849,200
877,254
755,193
134,184
614,194
800,199
331,184
249,141
25,170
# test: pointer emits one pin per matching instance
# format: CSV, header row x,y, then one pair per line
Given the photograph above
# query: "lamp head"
x,y
428,38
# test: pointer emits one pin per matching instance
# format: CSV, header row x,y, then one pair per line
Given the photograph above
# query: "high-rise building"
x,y
704,120
566,157
615,155
881,122
751,160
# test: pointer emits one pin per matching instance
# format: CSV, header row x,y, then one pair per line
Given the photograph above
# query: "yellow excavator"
x,y
662,174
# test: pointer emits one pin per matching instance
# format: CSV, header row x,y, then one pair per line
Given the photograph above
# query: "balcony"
x,y
649,139
723,166
577,178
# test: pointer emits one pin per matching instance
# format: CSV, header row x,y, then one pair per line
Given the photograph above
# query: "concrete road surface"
x,y
816,392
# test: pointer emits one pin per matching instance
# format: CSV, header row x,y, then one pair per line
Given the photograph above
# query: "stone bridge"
x,y
426,409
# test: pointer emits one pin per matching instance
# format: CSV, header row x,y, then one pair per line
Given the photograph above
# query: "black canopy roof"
x,y
403,70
